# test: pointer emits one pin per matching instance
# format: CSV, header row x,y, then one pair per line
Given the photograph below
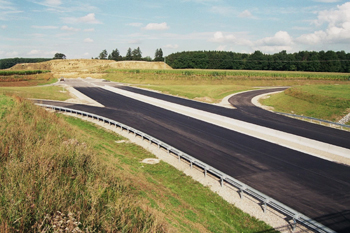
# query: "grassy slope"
x,y
53,163
328,102
47,92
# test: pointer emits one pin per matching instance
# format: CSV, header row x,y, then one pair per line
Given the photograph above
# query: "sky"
x,y
82,29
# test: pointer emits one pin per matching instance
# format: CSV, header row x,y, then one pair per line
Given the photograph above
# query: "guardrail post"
x,y
222,181
179,157
241,193
205,172
264,207
191,165
294,225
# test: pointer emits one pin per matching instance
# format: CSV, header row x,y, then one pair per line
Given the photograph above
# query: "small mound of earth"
x,y
205,99
151,161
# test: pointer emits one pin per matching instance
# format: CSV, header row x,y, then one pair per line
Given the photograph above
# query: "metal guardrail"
x,y
314,119
265,200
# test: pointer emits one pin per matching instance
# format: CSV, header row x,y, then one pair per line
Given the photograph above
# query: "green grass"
x,y
224,77
214,92
47,92
22,72
53,163
221,74
328,102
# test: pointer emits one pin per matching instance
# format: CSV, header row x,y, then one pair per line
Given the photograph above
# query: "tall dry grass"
x,y
50,180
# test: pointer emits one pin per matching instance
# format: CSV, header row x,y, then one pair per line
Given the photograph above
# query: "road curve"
x,y
318,188
248,112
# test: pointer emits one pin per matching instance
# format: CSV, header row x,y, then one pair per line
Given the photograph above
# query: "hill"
x,y
87,67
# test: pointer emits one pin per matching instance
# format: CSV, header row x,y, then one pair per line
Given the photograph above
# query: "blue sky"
x,y
82,29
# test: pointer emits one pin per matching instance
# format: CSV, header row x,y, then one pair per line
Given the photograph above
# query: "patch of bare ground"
x,y
205,99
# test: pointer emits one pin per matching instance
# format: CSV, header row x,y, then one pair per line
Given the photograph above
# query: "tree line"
x,y
9,62
131,55
322,61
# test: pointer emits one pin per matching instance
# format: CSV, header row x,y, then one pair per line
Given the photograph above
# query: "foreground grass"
x,y
47,92
328,102
51,163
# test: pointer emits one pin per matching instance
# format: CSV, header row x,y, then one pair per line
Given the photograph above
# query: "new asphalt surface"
x,y
248,112
317,188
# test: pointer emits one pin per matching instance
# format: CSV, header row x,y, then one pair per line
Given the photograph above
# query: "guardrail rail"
x,y
266,201
330,123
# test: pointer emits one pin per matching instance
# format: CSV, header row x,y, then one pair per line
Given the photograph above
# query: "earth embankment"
x,y
87,67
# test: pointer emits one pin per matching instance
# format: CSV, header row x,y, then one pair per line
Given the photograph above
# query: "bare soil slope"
x,y
87,67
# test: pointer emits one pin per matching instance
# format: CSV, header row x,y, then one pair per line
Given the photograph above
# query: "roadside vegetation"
x,y
25,78
328,102
37,92
62,172
205,93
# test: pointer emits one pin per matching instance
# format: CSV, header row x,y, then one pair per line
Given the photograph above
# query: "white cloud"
x,y
52,2
39,53
220,37
89,30
245,14
34,52
70,29
135,24
221,48
171,46
281,38
8,10
223,10
338,27
88,40
44,27
136,41
280,41
3,26
156,26
12,54
89,19
327,1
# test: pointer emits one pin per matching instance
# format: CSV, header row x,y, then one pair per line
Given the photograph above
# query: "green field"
x,y
21,72
47,92
53,165
328,102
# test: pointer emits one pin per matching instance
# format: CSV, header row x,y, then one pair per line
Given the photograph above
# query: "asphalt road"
x,y
248,112
315,187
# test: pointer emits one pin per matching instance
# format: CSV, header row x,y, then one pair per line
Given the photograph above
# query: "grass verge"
x,y
47,92
207,93
27,80
328,102
55,168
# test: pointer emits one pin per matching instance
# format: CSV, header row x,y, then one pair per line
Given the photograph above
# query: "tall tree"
x,y
137,54
128,56
59,56
103,55
159,55
115,55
